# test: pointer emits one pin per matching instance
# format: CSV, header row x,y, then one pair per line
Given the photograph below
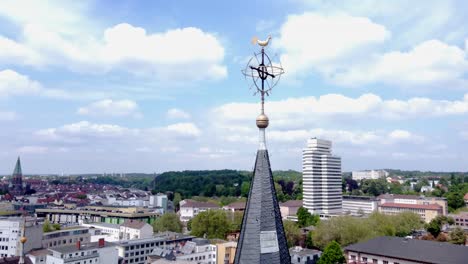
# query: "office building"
x,y
321,177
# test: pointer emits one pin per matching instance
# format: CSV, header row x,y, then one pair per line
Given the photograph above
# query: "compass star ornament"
x,y
264,75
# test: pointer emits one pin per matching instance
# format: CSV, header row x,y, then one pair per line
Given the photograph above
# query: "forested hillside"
x,y
204,183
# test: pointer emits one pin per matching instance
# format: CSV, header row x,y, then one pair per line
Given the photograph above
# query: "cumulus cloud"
x,y
122,47
83,130
427,63
317,41
304,110
109,107
352,51
346,136
184,129
13,83
175,113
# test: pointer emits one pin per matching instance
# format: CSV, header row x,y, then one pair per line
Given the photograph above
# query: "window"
x,y
364,259
353,257
385,262
374,261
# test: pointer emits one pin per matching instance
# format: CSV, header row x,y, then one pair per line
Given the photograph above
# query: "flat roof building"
x,y
394,250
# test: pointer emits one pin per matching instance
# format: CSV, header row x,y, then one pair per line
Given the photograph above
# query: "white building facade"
x,y
99,252
10,234
369,174
356,205
202,254
321,176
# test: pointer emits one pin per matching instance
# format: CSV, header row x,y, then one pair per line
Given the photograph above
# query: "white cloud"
x,y
13,83
184,129
176,113
79,131
317,41
187,53
56,15
109,107
345,136
305,110
427,63
352,50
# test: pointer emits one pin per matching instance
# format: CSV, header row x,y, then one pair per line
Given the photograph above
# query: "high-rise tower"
x,y
16,187
321,178
262,238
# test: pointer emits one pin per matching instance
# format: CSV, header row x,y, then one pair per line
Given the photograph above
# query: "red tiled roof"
x,y
413,206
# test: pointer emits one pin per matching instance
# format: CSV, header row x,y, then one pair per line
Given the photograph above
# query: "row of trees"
x,y
348,230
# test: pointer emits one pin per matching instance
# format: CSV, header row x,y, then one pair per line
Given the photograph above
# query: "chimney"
x,y
101,242
78,245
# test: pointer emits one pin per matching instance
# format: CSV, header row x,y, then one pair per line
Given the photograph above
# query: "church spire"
x,y
262,237
17,170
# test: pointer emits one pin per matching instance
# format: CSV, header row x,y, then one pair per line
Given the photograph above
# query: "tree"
x,y
293,233
245,187
235,220
210,224
309,243
455,200
435,225
305,218
177,199
457,236
407,222
167,222
333,254
46,226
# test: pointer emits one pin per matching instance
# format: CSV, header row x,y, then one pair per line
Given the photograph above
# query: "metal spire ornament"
x,y
262,239
265,75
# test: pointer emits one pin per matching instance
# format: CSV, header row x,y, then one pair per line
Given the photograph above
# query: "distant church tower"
x,y
16,187
262,237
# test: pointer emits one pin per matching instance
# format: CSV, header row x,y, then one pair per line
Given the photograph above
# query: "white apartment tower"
x,y
321,177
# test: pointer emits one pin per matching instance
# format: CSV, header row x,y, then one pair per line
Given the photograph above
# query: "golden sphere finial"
x,y
23,240
262,121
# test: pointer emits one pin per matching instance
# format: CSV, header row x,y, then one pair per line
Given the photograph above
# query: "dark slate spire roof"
x,y
262,238
17,170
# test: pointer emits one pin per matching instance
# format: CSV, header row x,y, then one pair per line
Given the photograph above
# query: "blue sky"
x,y
151,86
